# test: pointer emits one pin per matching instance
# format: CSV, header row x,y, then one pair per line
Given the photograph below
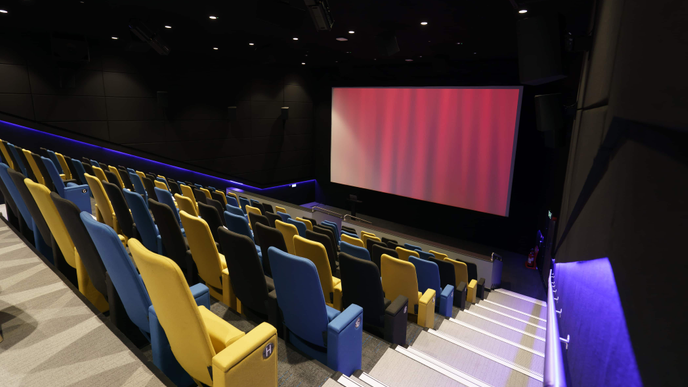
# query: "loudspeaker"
x,y
387,44
285,112
549,118
231,113
163,100
540,49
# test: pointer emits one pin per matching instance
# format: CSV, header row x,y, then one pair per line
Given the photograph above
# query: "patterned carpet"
x,y
51,337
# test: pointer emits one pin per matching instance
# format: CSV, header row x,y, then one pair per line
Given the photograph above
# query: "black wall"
x,y
114,99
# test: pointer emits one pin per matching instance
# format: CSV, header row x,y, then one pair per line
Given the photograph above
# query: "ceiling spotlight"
x,y
523,11
341,39
409,60
215,48
168,27
114,38
475,53
303,63
295,38
3,11
251,44
212,17
424,23
352,32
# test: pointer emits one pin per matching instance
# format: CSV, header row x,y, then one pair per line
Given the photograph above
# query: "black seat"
x,y
328,231
392,244
212,217
174,187
24,161
217,195
219,207
268,237
385,240
86,160
174,246
72,170
124,174
252,287
200,196
258,205
325,240
378,250
44,171
268,208
119,205
88,168
149,187
272,217
255,218
349,229
370,243
112,178
103,166
361,285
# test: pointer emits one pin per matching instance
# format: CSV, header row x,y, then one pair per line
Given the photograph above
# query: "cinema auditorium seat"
x,y
334,338
104,210
428,275
253,210
219,196
258,205
121,209
219,208
425,254
309,225
269,237
326,241
99,173
124,177
280,209
244,202
300,226
333,226
328,231
362,286
41,195
12,194
38,176
172,237
43,239
188,192
351,240
138,184
212,217
112,178
211,265
461,275
78,194
115,173
174,187
237,224
135,298
399,279
161,185
412,247
150,187
56,162
355,251
166,197
351,230
369,246
288,232
145,226
272,217
233,199
283,215
186,204
350,234
267,208
315,251
377,251
255,218
236,210
404,254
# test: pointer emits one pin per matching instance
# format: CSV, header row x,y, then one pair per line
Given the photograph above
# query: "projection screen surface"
x,y
453,146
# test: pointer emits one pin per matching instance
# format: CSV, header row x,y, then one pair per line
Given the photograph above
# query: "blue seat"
x,y
129,285
284,216
77,194
138,184
300,226
18,159
350,234
428,275
166,197
231,201
334,338
412,247
244,202
150,237
236,210
95,163
354,251
79,168
55,161
425,255
239,224
334,227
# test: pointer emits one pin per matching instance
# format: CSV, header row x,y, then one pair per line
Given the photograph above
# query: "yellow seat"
x,y
366,232
212,267
351,240
438,255
100,174
281,209
331,286
116,173
307,222
404,254
365,236
206,192
141,174
34,166
185,204
161,185
41,195
65,167
209,348
223,195
104,211
461,275
188,192
252,210
6,155
399,279
288,232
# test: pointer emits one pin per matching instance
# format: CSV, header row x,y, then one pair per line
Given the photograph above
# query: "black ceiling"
x,y
486,29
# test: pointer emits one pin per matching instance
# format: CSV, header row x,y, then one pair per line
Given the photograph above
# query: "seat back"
x,y
288,232
428,275
55,160
17,160
356,251
272,217
245,270
9,160
150,187
369,245
54,175
218,207
255,218
361,285
138,184
313,221
331,224
267,208
404,254
354,241
258,205
300,226
199,195
174,187
113,178
102,200
253,210
165,197
30,204
460,271
160,185
220,197
385,240
177,312
48,181
412,247
244,202
212,217
425,254
143,219
280,209
79,170
71,216
365,236
299,296
25,162
14,195
203,249
34,167
170,231
326,241
309,225
189,193
351,230
124,178
399,279
327,231
237,224
11,206
268,237
447,273
333,230
316,252
230,196
378,250
115,173
283,215
100,174
121,209
186,204
236,210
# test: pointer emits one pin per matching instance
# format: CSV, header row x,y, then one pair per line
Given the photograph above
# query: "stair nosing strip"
x,y
371,380
512,317
521,297
443,368
347,382
502,339
515,310
503,325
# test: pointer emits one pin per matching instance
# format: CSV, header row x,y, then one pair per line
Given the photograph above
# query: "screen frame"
x,y
513,151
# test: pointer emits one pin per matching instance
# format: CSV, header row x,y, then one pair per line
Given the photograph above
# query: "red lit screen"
x,y
453,146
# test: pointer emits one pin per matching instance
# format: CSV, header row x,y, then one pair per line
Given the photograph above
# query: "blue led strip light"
x,y
153,161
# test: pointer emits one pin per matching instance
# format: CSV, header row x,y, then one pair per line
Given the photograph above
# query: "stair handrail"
x,y
356,218
554,360
326,211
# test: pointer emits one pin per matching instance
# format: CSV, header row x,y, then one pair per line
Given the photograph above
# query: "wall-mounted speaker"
x,y
549,118
540,49
163,99
285,112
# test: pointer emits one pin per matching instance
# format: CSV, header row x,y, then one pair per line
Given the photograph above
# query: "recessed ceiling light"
x,y
420,56
251,44
341,39
295,38
459,43
114,38
352,32
523,11
303,63
424,23
215,48
212,17
409,60
168,27
475,53
3,11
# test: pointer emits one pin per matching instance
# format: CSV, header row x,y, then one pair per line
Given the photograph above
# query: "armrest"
x,y
396,315
201,294
460,296
426,309
337,298
345,340
228,296
80,195
470,296
480,291
446,301
249,361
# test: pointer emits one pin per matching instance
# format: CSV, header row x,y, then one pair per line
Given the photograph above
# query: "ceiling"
x,y
465,30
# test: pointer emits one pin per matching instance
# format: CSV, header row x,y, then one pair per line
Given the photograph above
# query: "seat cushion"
x,y
222,334
332,313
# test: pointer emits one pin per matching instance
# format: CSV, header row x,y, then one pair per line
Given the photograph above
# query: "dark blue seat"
x,y
244,202
129,285
77,194
150,237
300,226
231,201
349,234
333,226
232,209
428,275
18,160
334,338
284,216
165,197
79,168
138,184
425,254
354,251
412,247
53,158
239,225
